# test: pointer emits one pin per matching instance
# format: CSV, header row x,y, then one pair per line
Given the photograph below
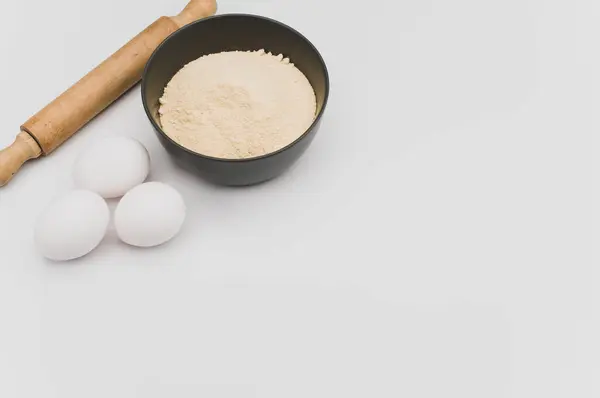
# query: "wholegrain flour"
x,y
237,104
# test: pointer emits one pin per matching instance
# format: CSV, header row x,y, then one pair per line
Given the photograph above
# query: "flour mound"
x,y
237,104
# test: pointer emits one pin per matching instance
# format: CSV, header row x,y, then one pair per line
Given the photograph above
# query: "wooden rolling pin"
x,y
63,117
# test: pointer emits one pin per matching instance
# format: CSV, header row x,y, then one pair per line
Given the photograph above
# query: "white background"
x,y
436,240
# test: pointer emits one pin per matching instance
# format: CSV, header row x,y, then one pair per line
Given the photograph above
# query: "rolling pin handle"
x,y
13,157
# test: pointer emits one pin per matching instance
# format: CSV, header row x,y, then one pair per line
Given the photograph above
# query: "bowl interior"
x,y
231,32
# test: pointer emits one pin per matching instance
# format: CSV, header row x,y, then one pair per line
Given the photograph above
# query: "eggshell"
x,y
112,166
72,225
149,215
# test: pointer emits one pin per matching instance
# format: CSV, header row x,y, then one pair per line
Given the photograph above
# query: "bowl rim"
x,y
179,31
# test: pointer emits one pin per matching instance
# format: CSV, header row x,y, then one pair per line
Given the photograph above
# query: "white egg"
x,y
112,166
149,215
72,226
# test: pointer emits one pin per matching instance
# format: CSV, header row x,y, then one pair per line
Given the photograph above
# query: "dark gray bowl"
x,y
230,32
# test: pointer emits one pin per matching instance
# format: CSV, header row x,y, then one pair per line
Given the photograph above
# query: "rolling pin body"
x,y
60,119
63,117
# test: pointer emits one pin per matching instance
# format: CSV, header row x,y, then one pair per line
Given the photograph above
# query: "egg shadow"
x,y
138,249
76,262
